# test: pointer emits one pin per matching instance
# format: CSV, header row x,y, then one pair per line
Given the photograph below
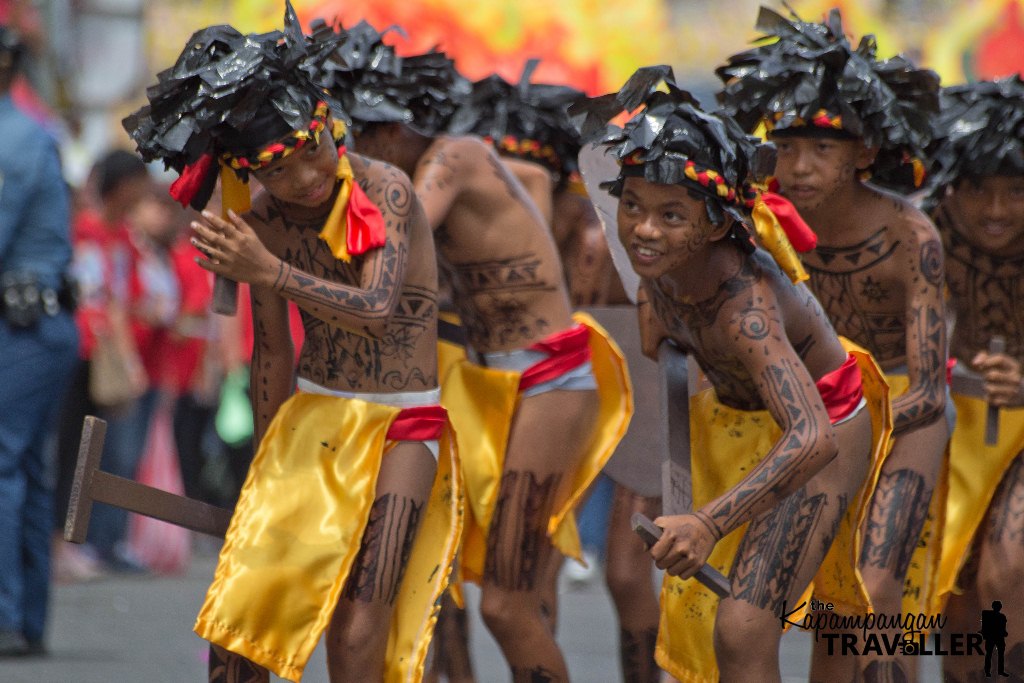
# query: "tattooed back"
x,y
756,297
494,245
400,354
872,268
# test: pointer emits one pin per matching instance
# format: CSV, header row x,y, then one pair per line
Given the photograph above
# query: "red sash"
x,y
566,350
841,389
422,423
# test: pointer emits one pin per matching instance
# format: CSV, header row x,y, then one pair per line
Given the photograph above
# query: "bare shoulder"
x,y
908,222
388,186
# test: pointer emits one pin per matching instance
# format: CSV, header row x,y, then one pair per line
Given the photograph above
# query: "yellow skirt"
x,y
730,443
975,472
481,403
297,529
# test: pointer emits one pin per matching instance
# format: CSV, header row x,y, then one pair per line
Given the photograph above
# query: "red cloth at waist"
x,y
566,351
841,389
422,423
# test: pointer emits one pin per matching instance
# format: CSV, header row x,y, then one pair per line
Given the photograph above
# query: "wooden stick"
x,y
995,345
93,485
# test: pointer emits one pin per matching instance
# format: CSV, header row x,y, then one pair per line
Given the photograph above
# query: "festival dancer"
x,y
795,419
528,125
539,399
837,115
978,194
349,517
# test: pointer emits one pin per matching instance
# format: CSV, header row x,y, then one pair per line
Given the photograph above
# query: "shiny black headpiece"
x,y
375,85
810,80
230,93
980,132
671,140
524,120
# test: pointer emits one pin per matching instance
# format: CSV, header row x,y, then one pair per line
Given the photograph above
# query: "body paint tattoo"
x,y
637,652
384,553
494,299
227,667
987,294
774,548
898,510
1006,513
851,284
517,540
885,672
537,674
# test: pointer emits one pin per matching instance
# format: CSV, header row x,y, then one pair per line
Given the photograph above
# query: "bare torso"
x,y
861,277
495,246
404,356
986,295
740,308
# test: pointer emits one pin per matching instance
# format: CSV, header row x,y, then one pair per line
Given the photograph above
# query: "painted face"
x,y
305,177
992,213
813,170
661,226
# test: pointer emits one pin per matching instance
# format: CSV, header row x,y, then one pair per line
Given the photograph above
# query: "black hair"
x,y
116,167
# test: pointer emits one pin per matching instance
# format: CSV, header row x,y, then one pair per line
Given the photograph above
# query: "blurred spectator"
x,y
38,342
106,267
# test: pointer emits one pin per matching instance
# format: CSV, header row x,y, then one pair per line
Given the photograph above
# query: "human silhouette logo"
x,y
993,630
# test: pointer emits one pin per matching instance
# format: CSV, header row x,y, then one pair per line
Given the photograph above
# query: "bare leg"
x,y
899,506
545,446
358,634
227,667
961,613
628,572
1001,566
451,645
778,557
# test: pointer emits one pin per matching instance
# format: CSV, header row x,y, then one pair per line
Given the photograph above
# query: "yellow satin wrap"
x,y
773,238
920,588
730,443
481,403
297,529
975,472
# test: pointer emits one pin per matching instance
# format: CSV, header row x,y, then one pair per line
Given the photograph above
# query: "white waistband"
x,y
402,399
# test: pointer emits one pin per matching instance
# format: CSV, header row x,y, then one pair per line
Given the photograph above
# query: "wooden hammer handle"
x,y
995,345
712,579
225,296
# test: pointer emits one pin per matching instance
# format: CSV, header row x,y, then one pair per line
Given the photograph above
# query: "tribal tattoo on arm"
x,y
360,296
757,338
271,376
924,402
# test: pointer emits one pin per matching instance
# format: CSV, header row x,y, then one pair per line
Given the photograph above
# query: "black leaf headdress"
x,y
810,77
375,85
670,140
525,120
227,96
980,132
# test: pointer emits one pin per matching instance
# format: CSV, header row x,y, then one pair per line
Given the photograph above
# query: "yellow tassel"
x,y
773,239
234,193
335,228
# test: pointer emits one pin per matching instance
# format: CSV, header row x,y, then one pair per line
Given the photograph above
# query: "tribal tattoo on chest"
x,y
854,288
987,294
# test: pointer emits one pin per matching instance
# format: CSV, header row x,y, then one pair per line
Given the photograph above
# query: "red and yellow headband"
x,y
283,147
821,119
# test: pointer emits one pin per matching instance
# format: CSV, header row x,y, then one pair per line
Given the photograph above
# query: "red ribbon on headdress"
x,y
799,233
191,180
355,224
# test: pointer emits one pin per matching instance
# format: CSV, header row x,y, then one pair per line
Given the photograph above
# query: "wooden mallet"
x,y
93,485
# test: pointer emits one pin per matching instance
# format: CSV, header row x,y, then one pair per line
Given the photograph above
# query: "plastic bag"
x,y
163,547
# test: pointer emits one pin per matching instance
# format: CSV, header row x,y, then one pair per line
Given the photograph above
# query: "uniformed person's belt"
x,y
24,300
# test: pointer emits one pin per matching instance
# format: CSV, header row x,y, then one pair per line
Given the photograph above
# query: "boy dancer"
x,y
978,187
347,521
528,125
782,440
540,399
835,114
